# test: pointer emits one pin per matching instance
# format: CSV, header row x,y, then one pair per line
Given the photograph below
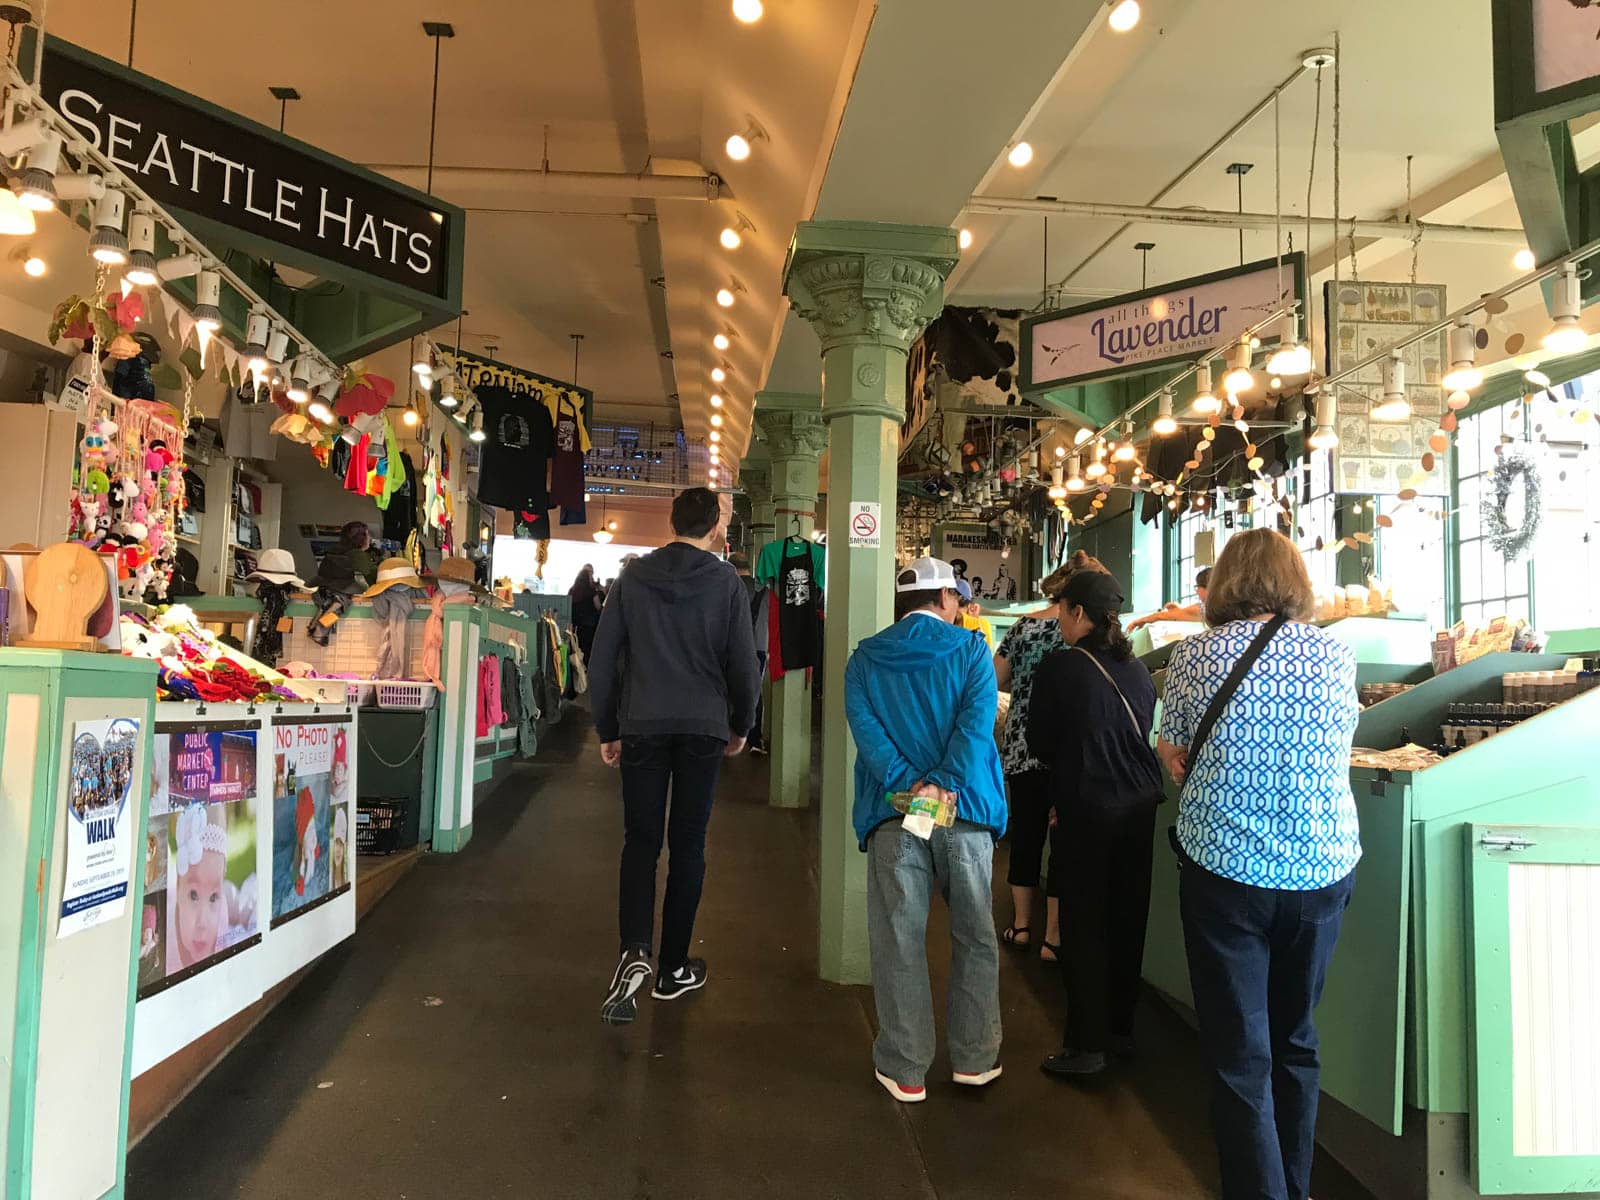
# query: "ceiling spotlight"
x,y
716,436
1020,155
1124,15
716,420
299,389
318,411
1097,465
1058,491
1463,375
1164,425
1523,260
36,267
207,295
422,361
716,400
1290,356
748,11
142,263
1205,403
107,244
738,145
1536,377
277,346
1125,450
257,328
730,238
964,239
447,391
1324,437
718,374
1074,475
179,266
721,342
477,434
1394,406
725,296
329,392
1566,336
36,187
1238,379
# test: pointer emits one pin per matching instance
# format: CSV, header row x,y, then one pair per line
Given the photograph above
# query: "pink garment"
x,y
490,712
433,640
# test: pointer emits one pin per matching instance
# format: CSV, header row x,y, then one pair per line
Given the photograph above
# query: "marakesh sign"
x,y
250,187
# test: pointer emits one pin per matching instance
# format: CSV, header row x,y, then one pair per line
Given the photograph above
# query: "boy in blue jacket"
x,y
920,699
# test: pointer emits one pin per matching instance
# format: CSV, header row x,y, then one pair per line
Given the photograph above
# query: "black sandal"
x,y
1055,952
1010,935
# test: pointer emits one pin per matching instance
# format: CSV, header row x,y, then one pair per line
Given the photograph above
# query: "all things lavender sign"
x,y
1137,332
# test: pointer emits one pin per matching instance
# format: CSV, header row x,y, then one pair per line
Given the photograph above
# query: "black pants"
x,y
687,765
761,676
1030,824
1104,871
1258,958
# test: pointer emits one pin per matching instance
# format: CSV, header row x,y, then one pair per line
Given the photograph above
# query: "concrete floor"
x,y
453,1048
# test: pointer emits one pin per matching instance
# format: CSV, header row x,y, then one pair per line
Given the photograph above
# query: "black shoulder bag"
x,y
1219,702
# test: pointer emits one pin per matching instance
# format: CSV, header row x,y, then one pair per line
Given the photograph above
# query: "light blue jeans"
x,y
902,870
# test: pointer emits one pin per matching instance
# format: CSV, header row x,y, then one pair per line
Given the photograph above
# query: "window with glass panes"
x,y
1489,586
1314,507
1225,522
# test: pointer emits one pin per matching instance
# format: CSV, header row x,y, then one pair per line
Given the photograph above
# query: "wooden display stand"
x,y
66,586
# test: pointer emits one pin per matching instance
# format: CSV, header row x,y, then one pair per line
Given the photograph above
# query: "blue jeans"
x,y
1257,961
902,870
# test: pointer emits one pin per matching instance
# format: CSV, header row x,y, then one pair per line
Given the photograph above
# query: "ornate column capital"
x,y
756,476
863,283
792,435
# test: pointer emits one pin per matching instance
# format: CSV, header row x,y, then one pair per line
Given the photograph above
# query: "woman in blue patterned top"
x,y
1269,841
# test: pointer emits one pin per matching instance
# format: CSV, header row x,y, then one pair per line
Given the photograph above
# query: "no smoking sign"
x,y
865,524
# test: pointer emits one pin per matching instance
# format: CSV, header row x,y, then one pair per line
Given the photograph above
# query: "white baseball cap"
x,y
924,575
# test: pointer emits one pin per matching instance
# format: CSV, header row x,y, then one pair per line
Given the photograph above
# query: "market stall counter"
x,y
1455,1057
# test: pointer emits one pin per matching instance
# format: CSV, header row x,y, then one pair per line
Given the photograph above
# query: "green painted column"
x,y
792,425
755,476
867,289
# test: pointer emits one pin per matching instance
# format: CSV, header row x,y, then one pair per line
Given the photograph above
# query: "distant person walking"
x,y
920,699
759,594
673,685
587,599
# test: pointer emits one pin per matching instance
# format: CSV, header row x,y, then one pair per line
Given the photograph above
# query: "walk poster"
x,y
310,814
201,894
99,823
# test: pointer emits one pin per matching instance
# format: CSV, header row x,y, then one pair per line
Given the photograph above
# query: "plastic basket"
x,y
378,825
405,694
360,691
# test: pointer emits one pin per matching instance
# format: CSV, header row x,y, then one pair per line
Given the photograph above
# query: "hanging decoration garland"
x,y
1512,543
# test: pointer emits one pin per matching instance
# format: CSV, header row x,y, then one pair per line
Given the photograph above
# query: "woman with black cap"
x,y
1090,719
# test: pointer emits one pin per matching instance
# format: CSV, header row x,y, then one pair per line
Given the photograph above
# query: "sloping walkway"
x,y
453,1048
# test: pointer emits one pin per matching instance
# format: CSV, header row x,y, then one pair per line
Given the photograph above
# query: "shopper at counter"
x,y
1090,718
920,699
673,688
1179,612
972,617
1268,841
1027,779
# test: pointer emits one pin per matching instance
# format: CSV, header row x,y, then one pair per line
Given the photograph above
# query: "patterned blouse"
x,y
1268,803
1024,647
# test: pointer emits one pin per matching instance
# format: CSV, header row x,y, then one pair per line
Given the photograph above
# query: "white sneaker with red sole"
x,y
902,1093
978,1078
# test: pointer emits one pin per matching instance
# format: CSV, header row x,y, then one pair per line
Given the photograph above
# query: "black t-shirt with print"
x,y
515,456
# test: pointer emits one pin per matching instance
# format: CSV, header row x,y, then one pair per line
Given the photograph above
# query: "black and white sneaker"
x,y
688,978
621,1005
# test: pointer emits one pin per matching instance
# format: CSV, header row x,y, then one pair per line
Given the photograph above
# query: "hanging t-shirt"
x,y
515,456
799,607
566,467
771,558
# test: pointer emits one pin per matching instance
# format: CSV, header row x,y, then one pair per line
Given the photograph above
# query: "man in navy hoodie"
x,y
920,698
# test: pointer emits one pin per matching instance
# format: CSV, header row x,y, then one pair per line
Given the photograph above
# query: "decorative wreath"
x,y
1512,543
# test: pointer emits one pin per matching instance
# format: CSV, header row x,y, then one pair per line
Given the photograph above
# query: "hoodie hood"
x,y
912,644
675,571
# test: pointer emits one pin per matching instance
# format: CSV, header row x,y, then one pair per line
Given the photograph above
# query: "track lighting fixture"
x,y
1463,375
36,186
1074,475
422,362
299,389
1566,336
142,264
1124,15
732,236
318,411
277,347
1097,464
1238,379
1205,402
1125,448
1058,491
1324,436
727,295
447,391
208,294
108,245
1164,425
477,434
257,327
1394,406
1290,356
22,135
182,265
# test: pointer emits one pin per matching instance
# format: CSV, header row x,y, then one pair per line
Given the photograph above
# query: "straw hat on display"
x,y
276,566
459,570
393,572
